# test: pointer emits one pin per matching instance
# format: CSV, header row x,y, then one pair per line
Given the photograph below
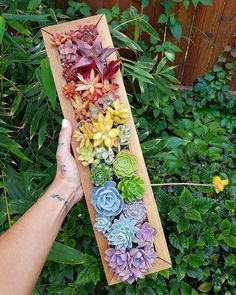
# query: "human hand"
x,y
67,175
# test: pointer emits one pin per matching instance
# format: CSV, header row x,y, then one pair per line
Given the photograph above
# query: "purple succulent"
x,y
94,53
129,265
152,254
146,233
135,211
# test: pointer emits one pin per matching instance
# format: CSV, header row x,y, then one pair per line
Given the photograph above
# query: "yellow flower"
x,y
219,183
119,112
104,134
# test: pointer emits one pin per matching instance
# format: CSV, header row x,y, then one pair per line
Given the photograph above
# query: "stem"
x,y
182,183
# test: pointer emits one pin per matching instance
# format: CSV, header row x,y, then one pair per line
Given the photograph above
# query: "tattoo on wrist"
x,y
61,199
63,168
61,144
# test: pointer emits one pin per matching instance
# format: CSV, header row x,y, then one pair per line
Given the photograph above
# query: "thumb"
x,y
64,139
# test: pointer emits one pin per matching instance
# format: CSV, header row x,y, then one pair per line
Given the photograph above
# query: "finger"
x,y
64,139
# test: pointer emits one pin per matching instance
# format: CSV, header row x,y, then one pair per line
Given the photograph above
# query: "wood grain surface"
x,y
163,261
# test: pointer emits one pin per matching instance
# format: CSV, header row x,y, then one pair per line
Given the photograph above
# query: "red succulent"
x,y
69,90
111,69
87,33
68,73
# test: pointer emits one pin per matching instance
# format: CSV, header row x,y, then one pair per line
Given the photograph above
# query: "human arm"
x,y
25,246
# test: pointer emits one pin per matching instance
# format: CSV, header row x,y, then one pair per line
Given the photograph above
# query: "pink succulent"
x,y
68,51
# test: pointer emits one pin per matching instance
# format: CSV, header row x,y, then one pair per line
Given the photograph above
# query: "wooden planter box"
x,y
163,261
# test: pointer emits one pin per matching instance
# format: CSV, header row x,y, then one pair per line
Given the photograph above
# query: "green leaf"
x,y
89,273
149,29
230,241
64,254
194,260
180,242
36,292
48,82
20,206
176,30
180,271
162,19
230,260
195,2
205,287
33,4
126,40
2,217
170,55
193,214
2,28
206,2
26,17
18,27
183,225
43,130
186,199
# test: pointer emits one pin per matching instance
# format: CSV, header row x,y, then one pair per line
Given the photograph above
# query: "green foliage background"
x,y
186,136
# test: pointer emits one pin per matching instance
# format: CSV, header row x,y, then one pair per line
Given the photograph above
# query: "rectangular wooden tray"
x,y
163,261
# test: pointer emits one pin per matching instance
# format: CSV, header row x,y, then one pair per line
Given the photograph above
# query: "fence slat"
x,y
205,29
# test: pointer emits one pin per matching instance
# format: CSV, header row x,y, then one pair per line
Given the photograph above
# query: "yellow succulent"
x,y
87,155
219,184
118,112
84,135
104,134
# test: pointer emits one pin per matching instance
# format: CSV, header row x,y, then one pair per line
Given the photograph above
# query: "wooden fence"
x,y
206,30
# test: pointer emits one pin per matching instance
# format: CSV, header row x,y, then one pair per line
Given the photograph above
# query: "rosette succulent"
x,y
146,233
107,200
103,223
100,174
122,233
87,156
105,154
125,164
132,188
129,265
125,134
135,211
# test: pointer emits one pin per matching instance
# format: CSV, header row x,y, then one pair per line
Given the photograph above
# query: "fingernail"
x,y
64,123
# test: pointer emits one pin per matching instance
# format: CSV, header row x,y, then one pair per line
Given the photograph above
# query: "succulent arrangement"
x,y
103,139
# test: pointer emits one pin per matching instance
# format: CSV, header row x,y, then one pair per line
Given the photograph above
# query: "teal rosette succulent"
x,y
105,154
100,174
124,164
107,200
122,233
103,223
132,188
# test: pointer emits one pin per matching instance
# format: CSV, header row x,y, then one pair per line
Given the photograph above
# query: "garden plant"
x,y
187,136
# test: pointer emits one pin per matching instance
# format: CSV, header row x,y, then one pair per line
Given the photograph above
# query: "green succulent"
x,y
87,156
100,174
132,188
125,134
105,154
124,164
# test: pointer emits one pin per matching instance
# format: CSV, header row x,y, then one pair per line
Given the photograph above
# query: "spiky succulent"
x,y
94,53
103,223
69,90
87,156
125,164
105,154
107,200
132,188
100,174
119,112
136,211
122,233
104,134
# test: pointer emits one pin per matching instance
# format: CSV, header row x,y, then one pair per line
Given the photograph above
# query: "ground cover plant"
x,y
192,140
